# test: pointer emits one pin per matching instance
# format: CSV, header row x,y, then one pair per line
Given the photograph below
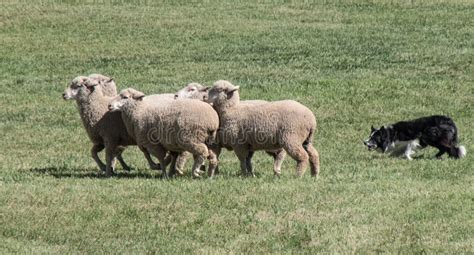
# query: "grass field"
x,y
354,63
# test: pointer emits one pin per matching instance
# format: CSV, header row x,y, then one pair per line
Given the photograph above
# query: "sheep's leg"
x,y
174,156
248,162
122,162
242,153
200,153
181,161
151,163
313,159
298,153
278,157
217,150
159,152
96,148
110,155
213,162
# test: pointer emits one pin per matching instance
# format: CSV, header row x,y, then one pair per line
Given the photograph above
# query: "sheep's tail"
x,y
313,154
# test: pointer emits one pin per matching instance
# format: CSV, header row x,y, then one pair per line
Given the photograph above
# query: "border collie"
x,y
437,131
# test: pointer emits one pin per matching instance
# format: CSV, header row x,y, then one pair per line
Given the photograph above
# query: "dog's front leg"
x,y
410,149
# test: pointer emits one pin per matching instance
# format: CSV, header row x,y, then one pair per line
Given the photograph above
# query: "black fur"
x,y
437,131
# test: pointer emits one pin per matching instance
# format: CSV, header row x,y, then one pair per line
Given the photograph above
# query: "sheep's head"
x,y
193,91
126,96
108,84
223,93
80,86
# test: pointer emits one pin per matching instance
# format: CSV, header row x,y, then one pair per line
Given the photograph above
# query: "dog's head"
x,y
378,139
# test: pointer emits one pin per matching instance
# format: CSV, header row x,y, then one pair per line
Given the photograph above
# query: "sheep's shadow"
x,y
80,173
92,173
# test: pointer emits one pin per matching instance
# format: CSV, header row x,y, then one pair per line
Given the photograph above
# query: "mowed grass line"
x,y
353,63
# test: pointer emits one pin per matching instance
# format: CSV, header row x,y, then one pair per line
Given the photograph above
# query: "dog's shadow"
x,y
401,157
80,173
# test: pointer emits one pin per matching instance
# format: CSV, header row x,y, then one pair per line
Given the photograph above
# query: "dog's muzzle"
x,y
370,146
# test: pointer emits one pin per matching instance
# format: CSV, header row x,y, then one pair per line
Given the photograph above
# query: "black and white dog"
x,y
405,136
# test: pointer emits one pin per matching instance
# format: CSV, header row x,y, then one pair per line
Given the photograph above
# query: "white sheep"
x,y
167,125
200,92
192,91
270,126
105,129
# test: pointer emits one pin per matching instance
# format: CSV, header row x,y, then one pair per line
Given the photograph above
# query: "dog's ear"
x,y
372,129
382,128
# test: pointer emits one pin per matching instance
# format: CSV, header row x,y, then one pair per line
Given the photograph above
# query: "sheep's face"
x,y
126,97
223,92
77,86
193,91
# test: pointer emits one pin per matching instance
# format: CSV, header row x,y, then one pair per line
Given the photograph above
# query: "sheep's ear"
x,y
110,80
230,92
205,89
92,83
235,88
138,96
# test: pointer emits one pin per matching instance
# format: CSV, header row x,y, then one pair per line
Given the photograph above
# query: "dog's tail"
x,y
461,151
457,152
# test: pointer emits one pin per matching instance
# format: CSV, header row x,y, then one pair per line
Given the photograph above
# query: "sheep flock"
x,y
196,120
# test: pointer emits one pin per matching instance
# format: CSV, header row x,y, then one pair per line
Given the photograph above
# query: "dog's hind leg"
x,y
440,153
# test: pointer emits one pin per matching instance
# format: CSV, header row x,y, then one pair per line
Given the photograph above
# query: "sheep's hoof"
x,y
110,174
248,174
128,169
179,172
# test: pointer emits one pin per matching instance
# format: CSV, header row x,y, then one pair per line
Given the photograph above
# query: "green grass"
x,y
354,63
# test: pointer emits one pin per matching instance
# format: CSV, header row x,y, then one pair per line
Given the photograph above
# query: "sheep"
x,y
198,91
270,126
105,129
173,126
192,90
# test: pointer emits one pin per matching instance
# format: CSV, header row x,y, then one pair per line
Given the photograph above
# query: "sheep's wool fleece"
x,y
100,124
172,123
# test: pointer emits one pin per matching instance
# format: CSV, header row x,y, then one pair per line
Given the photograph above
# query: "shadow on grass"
x,y
63,172
58,172
400,157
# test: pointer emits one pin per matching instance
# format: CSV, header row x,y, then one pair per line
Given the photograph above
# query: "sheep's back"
x,y
264,126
